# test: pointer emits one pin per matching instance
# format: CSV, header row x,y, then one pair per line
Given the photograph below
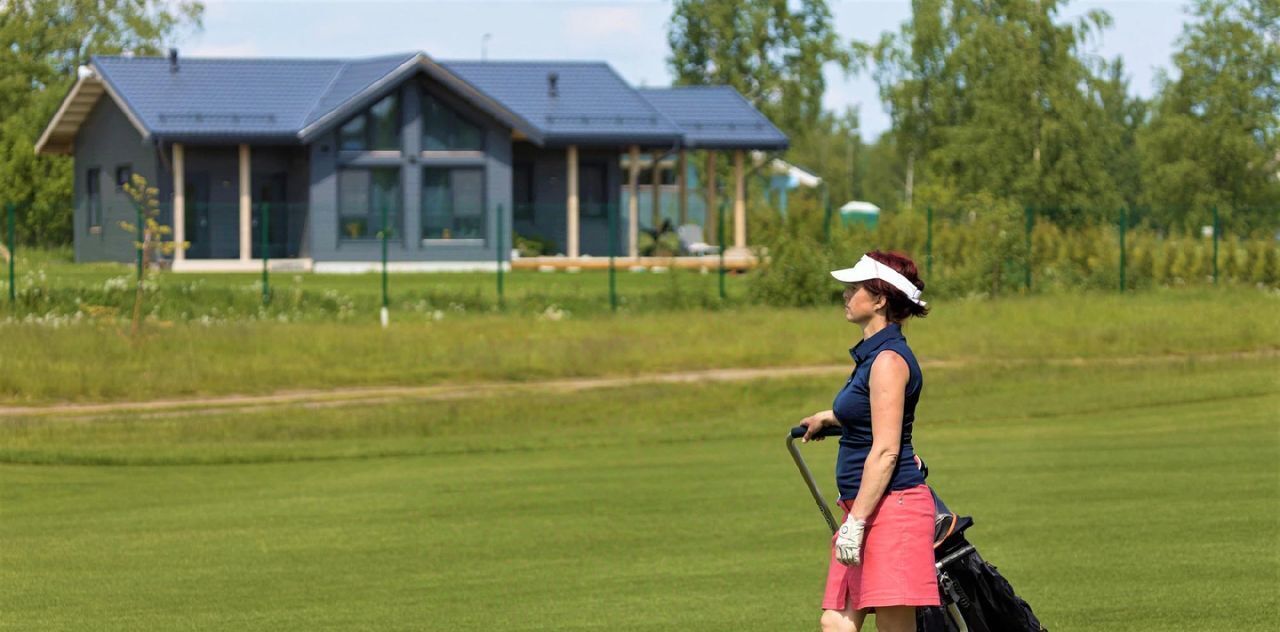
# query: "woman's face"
x,y
859,304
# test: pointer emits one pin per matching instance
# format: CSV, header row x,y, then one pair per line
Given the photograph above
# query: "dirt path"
x,y
353,396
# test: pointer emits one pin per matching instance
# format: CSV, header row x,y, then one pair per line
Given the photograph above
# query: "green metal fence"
x,y
1044,233
1030,250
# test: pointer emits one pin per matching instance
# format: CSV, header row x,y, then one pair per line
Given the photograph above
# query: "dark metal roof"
x,y
715,117
591,102
281,99
236,97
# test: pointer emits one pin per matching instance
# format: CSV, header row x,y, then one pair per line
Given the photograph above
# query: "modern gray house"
x,y
320,148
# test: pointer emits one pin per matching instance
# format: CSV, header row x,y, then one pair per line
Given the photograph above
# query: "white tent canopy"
x,y
796,176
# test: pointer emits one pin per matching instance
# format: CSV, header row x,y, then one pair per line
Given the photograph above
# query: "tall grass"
x,y
95,362
59,292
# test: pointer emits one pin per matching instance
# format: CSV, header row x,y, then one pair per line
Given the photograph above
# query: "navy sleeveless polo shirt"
x,y
852,408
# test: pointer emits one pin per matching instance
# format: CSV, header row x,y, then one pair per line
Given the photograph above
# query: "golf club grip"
x,y
829,431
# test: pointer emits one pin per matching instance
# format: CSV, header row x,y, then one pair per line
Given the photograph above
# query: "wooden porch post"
x,y
572,249
739,203
633,203
682,187
179,202
246,229
713,213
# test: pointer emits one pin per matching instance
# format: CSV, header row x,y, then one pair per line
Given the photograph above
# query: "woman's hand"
x,y
815,423
849,541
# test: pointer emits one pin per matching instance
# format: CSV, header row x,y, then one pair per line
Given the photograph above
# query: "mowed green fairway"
x,y
1131,496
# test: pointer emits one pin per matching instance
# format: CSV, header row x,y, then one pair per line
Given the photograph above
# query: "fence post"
x,y
1031,214
1215,245
613,252
720,232
13,249
264,210
826,213
928,243
385,315
498,240
1124,225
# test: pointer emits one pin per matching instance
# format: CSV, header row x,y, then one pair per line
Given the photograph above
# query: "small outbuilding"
x,y
861,213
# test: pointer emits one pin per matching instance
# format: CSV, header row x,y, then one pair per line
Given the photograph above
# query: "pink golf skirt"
x,y
897,557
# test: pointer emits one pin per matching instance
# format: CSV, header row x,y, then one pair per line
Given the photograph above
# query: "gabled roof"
x,y
715,117
352,78
293,100
361,82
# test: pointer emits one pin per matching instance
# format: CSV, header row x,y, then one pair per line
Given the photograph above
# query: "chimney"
x,y
173,60
553,90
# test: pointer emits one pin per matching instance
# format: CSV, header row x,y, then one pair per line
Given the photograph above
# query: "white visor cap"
x,y
868,268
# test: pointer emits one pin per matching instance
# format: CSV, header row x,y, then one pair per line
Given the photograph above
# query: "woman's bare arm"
x,y
888,386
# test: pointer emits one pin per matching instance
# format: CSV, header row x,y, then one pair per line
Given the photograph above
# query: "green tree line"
x,y
1004,101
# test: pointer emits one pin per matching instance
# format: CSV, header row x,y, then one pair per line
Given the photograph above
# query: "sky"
x,y
628,34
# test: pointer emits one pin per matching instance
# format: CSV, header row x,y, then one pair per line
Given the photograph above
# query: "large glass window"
x,y
352,135
444,130
378,128
93,197
453,203
522,190
362,196
384,124
593,195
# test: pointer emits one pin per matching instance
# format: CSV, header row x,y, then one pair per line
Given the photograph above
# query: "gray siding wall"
x,y
108,140
550,195
407,245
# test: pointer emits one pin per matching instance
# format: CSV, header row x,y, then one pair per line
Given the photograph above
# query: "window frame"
x,y
93,199
128,169
395,216
367,128
450,169
599,209
522,210
426,96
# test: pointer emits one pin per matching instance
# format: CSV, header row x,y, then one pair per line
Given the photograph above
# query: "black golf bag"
x,y
975,597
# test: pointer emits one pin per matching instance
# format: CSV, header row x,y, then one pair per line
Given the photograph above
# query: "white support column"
x,y
572,248
633,203
739,203
246,229
682,186
179,202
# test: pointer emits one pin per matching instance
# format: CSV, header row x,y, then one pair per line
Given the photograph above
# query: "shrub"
x,y
980,247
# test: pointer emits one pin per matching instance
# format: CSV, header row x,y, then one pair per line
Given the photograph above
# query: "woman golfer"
x,y
882,557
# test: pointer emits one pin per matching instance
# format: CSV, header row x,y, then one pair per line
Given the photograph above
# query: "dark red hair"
x,y
898,307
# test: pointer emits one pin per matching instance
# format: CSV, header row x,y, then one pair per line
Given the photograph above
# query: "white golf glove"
x,y
849,541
